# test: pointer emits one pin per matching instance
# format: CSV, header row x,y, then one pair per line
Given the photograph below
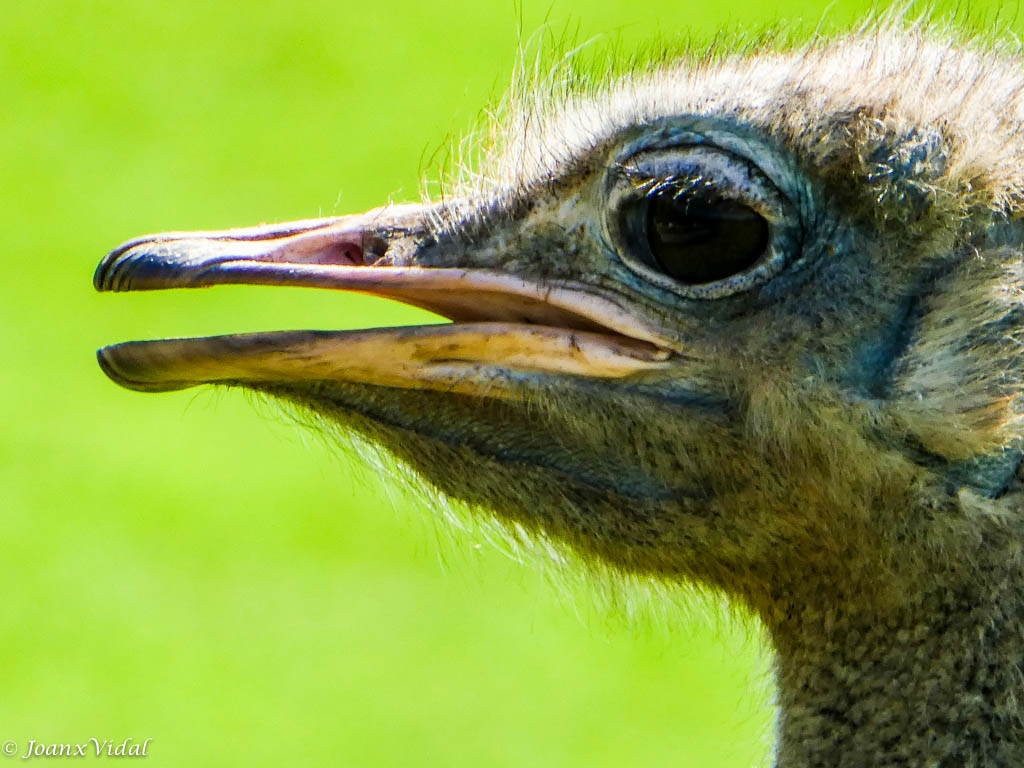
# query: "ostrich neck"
x,y
933,680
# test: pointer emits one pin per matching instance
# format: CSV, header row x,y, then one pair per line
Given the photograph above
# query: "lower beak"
x,y
505,326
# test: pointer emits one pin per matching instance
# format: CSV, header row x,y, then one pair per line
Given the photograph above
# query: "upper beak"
x,y
504,325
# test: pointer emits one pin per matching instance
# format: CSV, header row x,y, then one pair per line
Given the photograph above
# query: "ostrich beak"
x,y
504,326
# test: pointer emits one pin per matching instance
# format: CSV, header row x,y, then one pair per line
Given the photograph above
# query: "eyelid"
x,y
735,177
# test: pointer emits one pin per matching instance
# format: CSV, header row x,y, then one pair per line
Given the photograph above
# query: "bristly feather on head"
x,y
885,79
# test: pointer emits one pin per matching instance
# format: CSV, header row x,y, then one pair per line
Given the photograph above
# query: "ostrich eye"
x,y
695,237
700,221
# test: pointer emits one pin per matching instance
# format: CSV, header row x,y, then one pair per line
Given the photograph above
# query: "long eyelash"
x,y
652,186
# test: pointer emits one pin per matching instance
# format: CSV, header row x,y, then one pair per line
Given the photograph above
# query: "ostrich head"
x,y
751,321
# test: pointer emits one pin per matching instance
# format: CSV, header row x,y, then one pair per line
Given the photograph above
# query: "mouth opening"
x,y
503,327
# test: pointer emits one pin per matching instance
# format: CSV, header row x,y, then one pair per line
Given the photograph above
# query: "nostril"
x,y
345,250
355,249
343,253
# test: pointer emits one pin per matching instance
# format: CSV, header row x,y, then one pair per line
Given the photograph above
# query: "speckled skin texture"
x,y
835,440
934,680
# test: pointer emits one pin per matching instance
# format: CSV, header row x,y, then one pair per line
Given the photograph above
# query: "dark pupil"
x,y
700,240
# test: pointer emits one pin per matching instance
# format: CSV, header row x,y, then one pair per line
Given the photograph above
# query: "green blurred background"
x,y
193,570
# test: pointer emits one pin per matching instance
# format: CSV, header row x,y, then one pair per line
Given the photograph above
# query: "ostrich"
x,y
750,320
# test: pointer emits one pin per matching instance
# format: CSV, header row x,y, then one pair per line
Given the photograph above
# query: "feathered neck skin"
x,y
929,677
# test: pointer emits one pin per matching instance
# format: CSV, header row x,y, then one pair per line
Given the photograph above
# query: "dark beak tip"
x,y
119,369
101,277
109,364
111,267
139,267
111,272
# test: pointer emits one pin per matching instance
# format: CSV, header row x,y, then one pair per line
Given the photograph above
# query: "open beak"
x,y
504,326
